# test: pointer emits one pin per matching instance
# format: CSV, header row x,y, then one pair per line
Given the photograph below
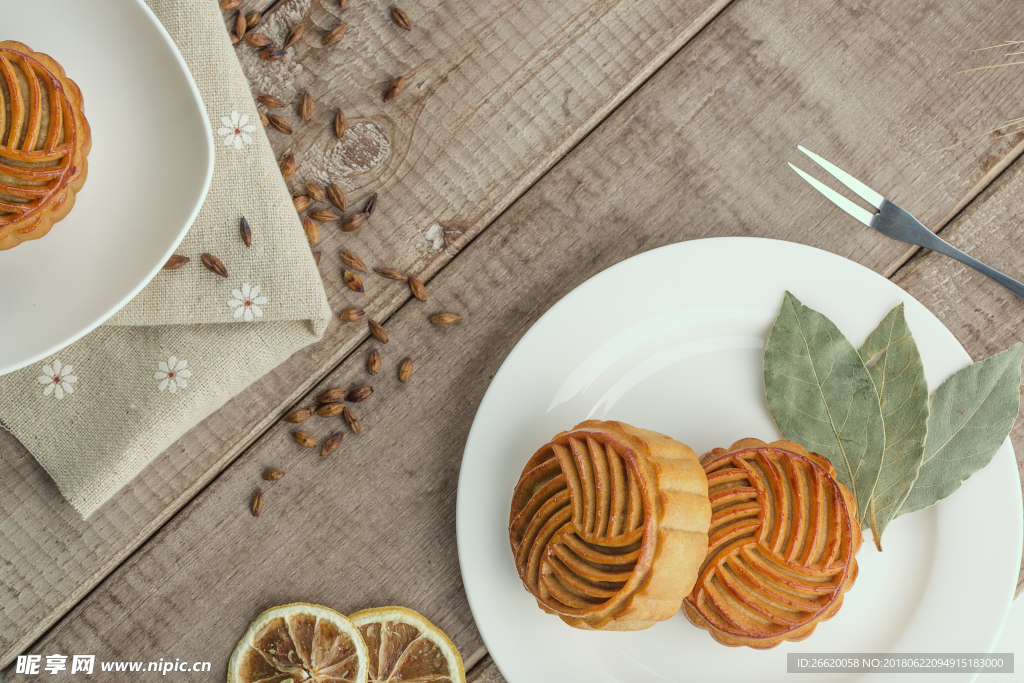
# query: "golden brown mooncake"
x,y
609,525
782,545
44,141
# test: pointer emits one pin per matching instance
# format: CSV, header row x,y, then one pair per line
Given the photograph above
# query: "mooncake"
x,y
44,142
782,545
609,525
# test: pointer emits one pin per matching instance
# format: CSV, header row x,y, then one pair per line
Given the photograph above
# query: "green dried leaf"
x,y
971,415
822,397
898,374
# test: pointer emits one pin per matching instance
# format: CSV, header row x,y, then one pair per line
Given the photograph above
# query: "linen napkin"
x,y
190,340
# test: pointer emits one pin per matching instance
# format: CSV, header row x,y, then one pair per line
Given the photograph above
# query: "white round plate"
x,y
149,170
672,340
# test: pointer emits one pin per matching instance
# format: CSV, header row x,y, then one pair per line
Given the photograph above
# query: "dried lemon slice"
x,y
299,643
406,647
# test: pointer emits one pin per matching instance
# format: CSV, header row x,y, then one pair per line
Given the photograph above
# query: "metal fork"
x,y
894,222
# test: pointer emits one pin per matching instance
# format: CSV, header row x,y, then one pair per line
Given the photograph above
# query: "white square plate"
x,y
149,171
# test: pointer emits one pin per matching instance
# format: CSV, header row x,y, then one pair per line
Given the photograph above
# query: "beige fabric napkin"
x,y
98,411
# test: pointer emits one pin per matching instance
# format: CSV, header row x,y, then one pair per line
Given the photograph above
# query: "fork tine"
x,y
859,188
861,214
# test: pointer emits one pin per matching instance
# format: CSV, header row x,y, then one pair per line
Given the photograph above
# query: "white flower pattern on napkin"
x,y
236,130
246,302
57,379
173,375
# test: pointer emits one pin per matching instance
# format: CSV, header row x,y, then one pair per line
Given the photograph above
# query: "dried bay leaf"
x,y
822,397
971,414
898,374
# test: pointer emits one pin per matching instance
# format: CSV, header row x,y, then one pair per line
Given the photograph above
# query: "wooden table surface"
x,y
536,144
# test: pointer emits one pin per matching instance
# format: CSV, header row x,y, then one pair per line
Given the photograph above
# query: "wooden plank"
x,y
497,91
485,672
985,317
699,151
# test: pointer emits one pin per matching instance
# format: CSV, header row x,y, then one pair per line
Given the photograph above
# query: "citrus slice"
x,y
406,647
299,643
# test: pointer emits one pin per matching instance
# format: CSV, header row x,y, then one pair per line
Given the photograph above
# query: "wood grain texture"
x,y
486,671
698,151
985,318
498,90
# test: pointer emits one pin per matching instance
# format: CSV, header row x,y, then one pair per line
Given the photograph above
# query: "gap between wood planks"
x,y
478,661
484,671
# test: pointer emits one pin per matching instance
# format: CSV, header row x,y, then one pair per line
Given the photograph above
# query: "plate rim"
x,y
749,240
9,366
